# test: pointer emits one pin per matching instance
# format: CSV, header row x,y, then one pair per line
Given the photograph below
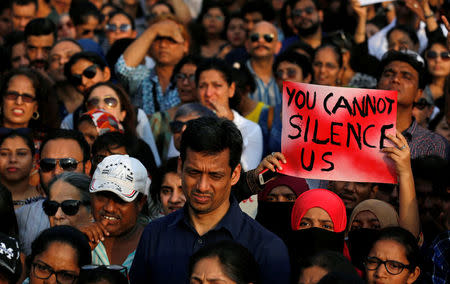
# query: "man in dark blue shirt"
x,y
210,153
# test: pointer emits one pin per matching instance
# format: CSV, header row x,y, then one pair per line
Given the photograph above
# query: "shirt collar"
x,y
232,221
409,132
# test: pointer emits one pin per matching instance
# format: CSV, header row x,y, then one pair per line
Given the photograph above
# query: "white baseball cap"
x,y
123,175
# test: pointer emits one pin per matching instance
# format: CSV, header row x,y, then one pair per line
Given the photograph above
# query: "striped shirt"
x,y
99,257
268,94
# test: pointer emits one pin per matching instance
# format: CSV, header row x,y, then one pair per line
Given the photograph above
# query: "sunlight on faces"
x,y
62,191
318,218
312,275
16,160
57,149
390,250
171,193
119,217
437,66
59,256
186,89
236,33
86,83
207,180
60,55
401,77
261,48
17,113
102,92
214,89
326,67
365,220
118,20
281,193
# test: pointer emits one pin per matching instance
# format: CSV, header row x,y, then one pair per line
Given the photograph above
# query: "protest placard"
x,y
335,133
370,2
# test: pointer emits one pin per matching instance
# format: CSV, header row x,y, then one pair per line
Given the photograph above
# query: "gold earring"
x,y
35,115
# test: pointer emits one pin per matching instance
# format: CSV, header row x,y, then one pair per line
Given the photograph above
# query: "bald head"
x,y
263,41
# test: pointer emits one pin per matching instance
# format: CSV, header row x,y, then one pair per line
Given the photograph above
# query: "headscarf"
x,y
104,121
321,198
297,185
386,214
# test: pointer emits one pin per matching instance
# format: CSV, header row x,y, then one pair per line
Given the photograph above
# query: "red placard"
x,y
334,133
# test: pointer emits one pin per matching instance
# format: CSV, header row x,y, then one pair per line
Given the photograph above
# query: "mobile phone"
x,y
266,175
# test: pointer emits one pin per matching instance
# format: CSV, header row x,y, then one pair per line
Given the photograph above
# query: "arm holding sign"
x,y
408,207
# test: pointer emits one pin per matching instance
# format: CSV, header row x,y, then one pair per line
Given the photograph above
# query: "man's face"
x,y
22,14
38,49
19,55
58,149
251,19
60,55
306,18
401,77
352,193
5,22
118,216
207,180
263,41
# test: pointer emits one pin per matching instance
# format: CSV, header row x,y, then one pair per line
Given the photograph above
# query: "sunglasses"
x,y
176,126
67,164
421,104
445,55
122,27
110,102
69,207
13,96
299,12
290,73
182,77
267,37
90,72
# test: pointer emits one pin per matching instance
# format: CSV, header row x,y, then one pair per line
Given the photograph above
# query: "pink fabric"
x,y
297,185
324,199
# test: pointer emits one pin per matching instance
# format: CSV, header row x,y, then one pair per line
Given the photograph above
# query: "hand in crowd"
x,y
360,11
447,26
168,28
416,7
400,153
220,109
95,232
272,162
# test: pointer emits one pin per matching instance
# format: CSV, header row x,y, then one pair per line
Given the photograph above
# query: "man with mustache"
x,y
262,45
40,35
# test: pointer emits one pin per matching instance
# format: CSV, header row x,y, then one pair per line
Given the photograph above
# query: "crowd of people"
x,y
133,135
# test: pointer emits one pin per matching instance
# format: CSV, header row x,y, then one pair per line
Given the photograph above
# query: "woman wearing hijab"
x,y
318,222
367,219
275,203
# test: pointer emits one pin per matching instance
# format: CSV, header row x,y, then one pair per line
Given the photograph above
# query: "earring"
x,y
35,115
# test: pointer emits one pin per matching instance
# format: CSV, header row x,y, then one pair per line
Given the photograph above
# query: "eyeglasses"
x,y
122,27
421,104
13,96
69,207
298,12
110,102
445,55
67,164
392,267
267,37
176,126
290,73
182,77
43,271
217,17
89,73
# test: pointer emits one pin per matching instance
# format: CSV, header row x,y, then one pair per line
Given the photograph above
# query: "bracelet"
x,y
429,16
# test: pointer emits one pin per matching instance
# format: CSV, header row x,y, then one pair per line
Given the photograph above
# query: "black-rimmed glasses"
x,y
392,267
43,271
